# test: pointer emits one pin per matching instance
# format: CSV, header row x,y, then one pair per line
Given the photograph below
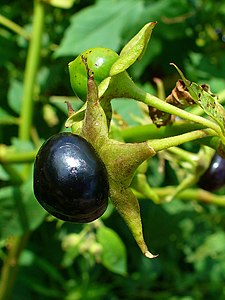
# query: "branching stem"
x,y
162,144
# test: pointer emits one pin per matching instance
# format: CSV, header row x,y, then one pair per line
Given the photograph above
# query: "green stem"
x,y
10,267
13,26
31,71
173,110
160,88
121,86
162,144
21,157
190,194
142,133
184,154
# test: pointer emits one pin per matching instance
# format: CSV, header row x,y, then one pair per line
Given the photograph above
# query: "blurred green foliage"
x,y
101,261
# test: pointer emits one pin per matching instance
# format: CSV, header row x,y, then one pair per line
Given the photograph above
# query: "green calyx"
x,y
109,71
106,63
107,77
121,159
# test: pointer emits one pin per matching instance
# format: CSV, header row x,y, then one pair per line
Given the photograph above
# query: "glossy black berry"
x,y
70,179
214,177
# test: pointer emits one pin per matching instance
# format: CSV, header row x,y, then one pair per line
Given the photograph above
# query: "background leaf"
x,y
87,31
15,95
128,109
20,211
213,246
113,250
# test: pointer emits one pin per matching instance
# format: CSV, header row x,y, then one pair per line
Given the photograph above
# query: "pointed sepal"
x,y
134,49
128,207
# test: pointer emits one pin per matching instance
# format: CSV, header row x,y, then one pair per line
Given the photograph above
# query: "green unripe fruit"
x,y
99,61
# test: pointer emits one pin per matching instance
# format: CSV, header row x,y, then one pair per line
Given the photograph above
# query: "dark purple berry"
x,y
214,177
70,179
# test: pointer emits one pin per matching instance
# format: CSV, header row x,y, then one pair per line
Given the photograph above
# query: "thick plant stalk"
x,y
31,71
10,265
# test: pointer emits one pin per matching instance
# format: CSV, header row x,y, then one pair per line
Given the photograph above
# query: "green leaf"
x,y
134,49
20,211
88,31
114,256
21,146
128,109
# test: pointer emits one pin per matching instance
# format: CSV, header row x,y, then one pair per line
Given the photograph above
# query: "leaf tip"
x,y
153,24
172,64
148,254
187,82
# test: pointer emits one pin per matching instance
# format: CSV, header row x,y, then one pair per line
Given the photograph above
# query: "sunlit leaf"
x,y
105,30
